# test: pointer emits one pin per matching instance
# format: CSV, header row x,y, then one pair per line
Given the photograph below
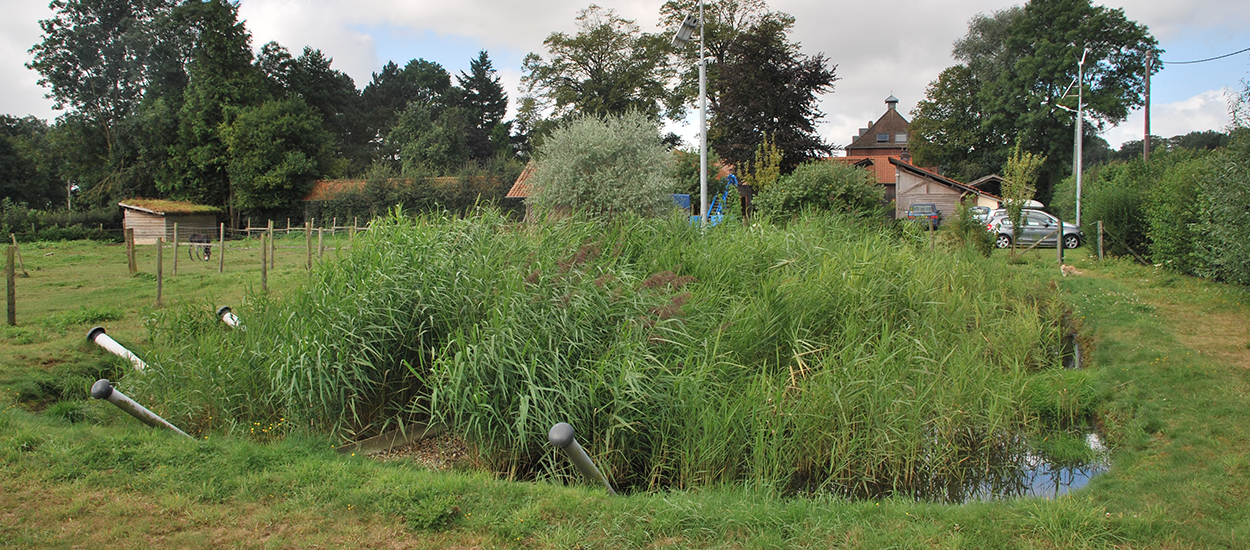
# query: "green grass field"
x,y
1170,367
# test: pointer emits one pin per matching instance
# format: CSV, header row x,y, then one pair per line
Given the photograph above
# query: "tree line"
x,y
165,98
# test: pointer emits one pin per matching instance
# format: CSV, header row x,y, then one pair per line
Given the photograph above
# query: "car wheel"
x,y
1003,241
1071,241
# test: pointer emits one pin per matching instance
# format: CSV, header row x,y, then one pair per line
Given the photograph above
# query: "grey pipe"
x,y
228,317
561,435
98,336
103,389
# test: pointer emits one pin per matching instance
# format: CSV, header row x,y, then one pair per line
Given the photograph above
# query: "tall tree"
x,y
609,67
768,87
333,95
947,128
393,88
98,58
724,22
21,179
486,104
430,139
1021,62
276,151
222,81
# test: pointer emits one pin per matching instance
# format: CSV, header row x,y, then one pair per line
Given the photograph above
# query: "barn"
x,y
153,219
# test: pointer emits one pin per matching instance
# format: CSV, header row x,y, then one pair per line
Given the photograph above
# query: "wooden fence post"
x,y
1059,247
130,249
10,282
308,243
221,245
334,225
160,267
20,263
272,246
264,264
1100,240
175,249
321,247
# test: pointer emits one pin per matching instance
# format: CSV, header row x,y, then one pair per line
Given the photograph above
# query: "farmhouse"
x,y
153,219
881,141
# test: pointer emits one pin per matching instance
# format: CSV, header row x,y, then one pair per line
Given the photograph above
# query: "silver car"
x,y
1038,226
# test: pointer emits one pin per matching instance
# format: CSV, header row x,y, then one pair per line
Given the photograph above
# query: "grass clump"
x,y
822,356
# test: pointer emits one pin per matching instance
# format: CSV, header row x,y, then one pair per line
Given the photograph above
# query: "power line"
x,y
1203,60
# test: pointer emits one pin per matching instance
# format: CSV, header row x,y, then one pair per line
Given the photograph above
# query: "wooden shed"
x,y
917,185
152,219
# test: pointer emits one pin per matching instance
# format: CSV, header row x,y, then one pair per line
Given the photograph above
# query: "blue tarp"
x,y
682,201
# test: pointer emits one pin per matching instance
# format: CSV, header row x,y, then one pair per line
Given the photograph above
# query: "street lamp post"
x,y
681,39
1080,130
1078,161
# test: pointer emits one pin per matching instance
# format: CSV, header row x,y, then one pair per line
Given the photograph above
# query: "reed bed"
x,y
825,355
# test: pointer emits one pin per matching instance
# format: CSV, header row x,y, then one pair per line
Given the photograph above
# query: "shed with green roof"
x,y
154,218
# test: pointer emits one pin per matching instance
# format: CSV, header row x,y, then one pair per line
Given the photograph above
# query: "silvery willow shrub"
x,y
603,167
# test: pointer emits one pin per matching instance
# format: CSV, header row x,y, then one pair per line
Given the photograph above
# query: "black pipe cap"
x,y
223,310
96,331
561,435
102,389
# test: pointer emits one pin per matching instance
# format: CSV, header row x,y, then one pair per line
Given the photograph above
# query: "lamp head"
x,y
686,31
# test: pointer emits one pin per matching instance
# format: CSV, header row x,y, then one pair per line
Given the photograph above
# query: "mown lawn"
x,y
1171,357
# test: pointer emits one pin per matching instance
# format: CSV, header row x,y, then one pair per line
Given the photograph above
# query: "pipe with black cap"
x,y
98,336
103,389
228,317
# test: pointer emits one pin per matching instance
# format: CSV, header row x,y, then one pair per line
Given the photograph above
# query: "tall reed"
x,y
826,355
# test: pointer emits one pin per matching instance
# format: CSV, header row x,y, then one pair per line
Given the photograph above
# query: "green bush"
x,y
607,167
1115,194
969,231
1174,210
1226,208
825,186
29,225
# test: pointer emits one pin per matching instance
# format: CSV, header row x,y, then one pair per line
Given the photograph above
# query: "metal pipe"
x,y
103,389
229,318
98,336
561,435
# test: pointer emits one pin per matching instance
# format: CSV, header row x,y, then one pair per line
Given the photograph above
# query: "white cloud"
x,y
880,49
21,93
1205,111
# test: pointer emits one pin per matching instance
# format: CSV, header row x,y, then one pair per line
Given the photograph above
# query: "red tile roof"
x,y
521,188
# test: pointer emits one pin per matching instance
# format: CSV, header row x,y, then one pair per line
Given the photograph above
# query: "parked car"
x,y
925,211
980,213
1038,225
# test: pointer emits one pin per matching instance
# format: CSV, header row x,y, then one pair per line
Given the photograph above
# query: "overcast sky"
x,y
889,48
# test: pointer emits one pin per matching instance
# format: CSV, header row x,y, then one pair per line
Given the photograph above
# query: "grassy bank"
x,y
1169,365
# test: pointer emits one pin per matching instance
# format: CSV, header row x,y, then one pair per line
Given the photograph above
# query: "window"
x,y
900,137
883,137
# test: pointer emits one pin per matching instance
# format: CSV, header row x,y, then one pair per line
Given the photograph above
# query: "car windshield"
x,y
922,208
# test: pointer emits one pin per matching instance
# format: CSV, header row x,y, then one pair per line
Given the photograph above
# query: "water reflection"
x,y
1038,477
1015,472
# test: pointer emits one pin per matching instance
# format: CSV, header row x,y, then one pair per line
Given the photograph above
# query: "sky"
x,y
879,48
